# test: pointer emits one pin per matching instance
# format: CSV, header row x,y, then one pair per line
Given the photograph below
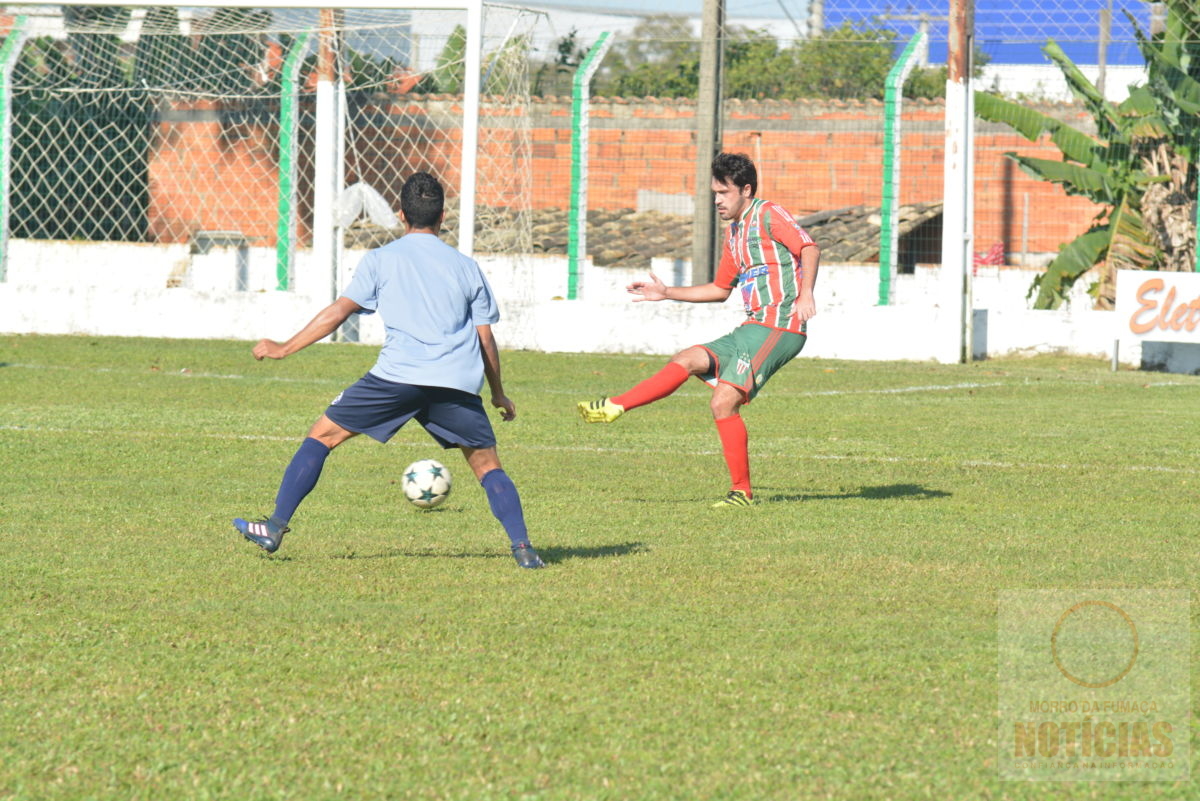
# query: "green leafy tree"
x,y
450,67
506,66
850,61
1169,139
554,77
930,81
660,57
757,67
1140,166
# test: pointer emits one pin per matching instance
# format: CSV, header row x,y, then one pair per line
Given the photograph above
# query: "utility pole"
x,y
1158,18
708,139
1102,49
816,18
954,293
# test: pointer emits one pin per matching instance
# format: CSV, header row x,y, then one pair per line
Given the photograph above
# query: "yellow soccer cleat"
x,y
600,411
735,499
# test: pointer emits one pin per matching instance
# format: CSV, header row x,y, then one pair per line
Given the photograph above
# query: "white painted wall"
x,y
164,291
1046,81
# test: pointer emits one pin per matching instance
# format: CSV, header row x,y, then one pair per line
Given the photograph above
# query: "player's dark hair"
x,y
736,169
422,200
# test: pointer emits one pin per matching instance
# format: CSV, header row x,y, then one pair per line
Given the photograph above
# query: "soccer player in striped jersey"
x,y
774,262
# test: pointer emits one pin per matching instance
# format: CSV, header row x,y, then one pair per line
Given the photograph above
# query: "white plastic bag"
x,y
360,199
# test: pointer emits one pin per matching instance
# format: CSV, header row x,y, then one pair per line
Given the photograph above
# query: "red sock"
x,y
656,387
734,443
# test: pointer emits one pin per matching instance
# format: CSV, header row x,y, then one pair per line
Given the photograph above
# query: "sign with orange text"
x,y
1158,306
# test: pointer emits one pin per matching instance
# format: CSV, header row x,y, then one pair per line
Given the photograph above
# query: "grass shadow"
x,y
550,555
553,554
880,493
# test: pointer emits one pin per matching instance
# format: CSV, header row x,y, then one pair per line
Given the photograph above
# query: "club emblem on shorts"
x,y
338,398
742,366
758,379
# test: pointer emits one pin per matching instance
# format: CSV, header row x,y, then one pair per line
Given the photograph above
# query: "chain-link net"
x,y
808,109
155,125
809,113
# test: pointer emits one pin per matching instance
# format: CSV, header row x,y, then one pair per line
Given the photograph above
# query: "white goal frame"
x,y
327,167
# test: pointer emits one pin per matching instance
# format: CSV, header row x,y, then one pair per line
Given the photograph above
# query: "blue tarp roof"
x,y
1011,32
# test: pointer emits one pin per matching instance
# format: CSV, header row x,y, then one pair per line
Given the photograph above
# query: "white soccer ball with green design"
x,y
426,483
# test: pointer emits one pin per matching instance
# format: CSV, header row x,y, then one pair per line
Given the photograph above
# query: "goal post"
x,y
165,123
9,50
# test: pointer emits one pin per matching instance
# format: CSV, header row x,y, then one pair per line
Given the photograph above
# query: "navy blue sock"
x,y
506,504
299,479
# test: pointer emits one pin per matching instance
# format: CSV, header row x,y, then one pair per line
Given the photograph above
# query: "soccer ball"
x,y
426,483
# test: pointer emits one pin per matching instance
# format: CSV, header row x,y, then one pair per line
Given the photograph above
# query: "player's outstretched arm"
x,y
321,326
491,371
655,289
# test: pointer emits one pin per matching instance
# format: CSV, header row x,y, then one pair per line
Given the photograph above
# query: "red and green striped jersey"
x,y
762,255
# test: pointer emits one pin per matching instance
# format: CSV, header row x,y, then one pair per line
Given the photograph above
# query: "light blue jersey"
x,y
431,297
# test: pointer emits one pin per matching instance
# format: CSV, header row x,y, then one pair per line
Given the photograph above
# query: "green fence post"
x,y
889,212
285,225
577,219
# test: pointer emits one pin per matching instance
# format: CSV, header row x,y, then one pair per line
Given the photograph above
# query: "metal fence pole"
x,y
285,225
893,97
580,106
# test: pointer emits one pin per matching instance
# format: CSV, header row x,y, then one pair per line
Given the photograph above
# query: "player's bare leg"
x,y
504,501
329,433
481,460
688,362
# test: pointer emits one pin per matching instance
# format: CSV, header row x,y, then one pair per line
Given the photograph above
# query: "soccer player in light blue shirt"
x,y
432,299
438,312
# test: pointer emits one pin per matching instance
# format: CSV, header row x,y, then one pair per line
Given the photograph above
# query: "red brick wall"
x,y
811,157
212,176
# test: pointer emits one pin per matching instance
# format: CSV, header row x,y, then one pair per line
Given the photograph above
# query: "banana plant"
x,y
1170,137
1140,160
1101,168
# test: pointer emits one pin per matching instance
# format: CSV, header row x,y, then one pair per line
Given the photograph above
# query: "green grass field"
x,y
837,641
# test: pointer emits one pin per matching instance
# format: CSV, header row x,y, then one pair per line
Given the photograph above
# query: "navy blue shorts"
x,y
380,408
